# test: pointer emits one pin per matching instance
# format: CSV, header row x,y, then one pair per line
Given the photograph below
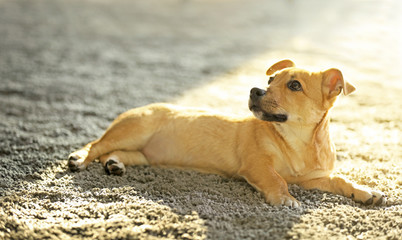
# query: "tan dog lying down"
x,y
286,142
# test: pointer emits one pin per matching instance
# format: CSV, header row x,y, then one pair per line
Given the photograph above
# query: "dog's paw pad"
x,y
113,167
72,165
72,158
75,164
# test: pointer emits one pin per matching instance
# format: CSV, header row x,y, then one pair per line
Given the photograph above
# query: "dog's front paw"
x,y
114,167
75,163
282,200
368,196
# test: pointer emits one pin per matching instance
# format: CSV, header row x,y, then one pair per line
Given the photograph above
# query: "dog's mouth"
x,y
265,116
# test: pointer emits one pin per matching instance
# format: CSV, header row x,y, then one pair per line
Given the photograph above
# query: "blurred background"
x,y
127,51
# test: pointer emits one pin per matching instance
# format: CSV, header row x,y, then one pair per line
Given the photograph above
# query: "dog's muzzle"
x,y
255,95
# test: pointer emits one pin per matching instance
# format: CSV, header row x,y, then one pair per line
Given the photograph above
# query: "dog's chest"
x,y
293,158
292,154
297,158
290,161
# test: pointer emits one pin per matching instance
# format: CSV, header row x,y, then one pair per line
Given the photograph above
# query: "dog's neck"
x,y
310,141
302,134
295,134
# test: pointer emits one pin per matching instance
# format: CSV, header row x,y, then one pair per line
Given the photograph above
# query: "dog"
x,y
286,141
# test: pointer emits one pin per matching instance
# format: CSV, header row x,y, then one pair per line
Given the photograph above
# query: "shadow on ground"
x,y
151,201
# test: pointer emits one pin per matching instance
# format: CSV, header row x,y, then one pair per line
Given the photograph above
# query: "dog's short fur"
x,y
286,142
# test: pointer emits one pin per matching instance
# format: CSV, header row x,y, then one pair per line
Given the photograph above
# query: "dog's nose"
x,y
256,93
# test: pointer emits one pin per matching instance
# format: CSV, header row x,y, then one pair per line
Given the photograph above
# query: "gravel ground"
x,y
68,67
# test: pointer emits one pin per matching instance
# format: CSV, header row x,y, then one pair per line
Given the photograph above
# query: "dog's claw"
x,y
379,198
292,203
376,198
283,200
369,201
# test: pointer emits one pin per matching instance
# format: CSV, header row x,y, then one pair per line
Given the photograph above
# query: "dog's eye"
x,y
271,79
294,85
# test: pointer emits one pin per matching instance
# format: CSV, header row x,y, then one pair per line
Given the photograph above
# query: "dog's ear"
x,y
333,83
279,66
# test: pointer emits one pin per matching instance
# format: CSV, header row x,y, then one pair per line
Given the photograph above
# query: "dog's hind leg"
x,y
130,131
79,160
115,162
125,134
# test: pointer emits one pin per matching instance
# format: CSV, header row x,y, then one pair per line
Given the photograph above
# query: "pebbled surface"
x,y
67,68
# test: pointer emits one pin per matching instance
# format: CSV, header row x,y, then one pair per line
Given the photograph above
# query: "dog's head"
x,y
297,95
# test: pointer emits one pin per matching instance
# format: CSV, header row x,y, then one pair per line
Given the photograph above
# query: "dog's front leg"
x,y
344,187
262,176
